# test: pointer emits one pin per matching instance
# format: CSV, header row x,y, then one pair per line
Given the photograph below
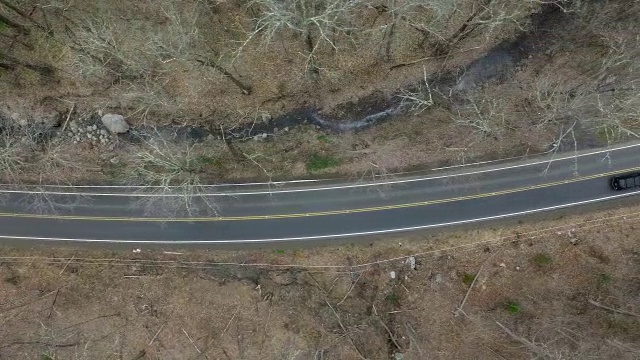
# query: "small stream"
x,y
371,110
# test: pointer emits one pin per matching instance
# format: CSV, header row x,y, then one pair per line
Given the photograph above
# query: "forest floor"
x,y
561,286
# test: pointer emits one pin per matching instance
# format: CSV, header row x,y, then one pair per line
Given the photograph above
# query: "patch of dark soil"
x,y
267,127
375,102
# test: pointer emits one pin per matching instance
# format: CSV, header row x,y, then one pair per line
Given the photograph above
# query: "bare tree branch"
x,y
597,304
528,344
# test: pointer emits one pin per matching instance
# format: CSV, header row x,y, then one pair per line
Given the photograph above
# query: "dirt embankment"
x,y
554,288
563,78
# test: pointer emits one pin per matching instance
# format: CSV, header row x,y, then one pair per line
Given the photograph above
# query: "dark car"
x,y
627,181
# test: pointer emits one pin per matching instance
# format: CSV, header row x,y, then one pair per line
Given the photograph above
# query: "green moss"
x,y
393,298
114,170
513,307
604,279
467,278
323,138
542,259
317,162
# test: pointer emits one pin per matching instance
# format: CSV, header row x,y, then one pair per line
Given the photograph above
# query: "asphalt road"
x,y
258,213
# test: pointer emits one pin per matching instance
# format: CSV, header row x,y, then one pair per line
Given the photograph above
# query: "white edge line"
x,y
320,237
322,188
284,182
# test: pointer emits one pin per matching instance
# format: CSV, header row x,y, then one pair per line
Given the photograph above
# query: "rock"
x,y
392,274
437,278
103,132
286,129
115,123
398,356
210,138
89,128
283,278
266,118
411,261
263,135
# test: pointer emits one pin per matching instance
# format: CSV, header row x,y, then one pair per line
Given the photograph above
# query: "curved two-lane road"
x,y
332,209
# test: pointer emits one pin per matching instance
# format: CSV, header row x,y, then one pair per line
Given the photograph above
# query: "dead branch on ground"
x,y
353,284
391,336
528,344
344,330
459,309
608,308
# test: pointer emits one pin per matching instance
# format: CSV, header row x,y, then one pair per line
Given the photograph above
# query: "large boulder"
x,y
115,123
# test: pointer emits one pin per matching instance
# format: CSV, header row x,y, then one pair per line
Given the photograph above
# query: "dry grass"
x,y
579,302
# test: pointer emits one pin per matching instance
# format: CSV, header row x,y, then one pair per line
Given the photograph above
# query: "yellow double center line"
x,y
319,213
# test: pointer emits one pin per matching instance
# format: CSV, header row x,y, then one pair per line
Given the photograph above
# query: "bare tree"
x,y
101,51
45,70
33,162
607,104
4,19
182,40
420,99
170,173
12,160
483,113
11,59
429,17
26,16
316,22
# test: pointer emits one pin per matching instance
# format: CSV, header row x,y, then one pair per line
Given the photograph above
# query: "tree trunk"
x,y
16,10
44,70
28,17
13,38
312,68
19,27
7,66
246,89
387,38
